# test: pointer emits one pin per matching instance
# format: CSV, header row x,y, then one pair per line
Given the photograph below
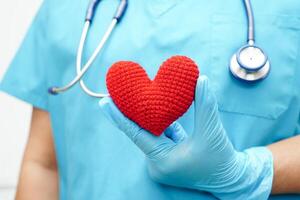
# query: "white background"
x,y
15,18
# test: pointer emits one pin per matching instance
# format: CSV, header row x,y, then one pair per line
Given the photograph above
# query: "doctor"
x,y
237,141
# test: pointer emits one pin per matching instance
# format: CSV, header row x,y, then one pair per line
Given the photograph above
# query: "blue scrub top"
x,y
96,160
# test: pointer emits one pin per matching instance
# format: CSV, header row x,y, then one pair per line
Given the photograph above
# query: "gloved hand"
x,y
204,160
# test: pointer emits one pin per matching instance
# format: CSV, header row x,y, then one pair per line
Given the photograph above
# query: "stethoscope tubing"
x,y
250,17
92,58
82,70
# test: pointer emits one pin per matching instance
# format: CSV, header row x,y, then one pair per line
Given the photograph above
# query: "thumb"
x,y
176,132
151,145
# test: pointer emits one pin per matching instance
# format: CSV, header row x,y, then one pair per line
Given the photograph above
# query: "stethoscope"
x,y
250,63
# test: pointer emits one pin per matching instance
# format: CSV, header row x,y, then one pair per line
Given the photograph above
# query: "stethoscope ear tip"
x,y
52,91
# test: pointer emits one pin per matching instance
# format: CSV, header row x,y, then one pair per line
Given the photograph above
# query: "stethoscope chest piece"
x,y
250,64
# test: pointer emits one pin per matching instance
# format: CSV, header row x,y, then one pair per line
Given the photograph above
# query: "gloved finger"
x,y
146,141
205,104
175,132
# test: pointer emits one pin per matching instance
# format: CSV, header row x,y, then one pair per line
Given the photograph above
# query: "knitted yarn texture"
x,y
153,104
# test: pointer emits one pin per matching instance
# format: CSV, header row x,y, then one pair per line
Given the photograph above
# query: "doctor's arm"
x,y
286,155
39,178
206,160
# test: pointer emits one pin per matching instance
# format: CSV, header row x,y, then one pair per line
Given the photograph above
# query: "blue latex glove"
x,y
204,160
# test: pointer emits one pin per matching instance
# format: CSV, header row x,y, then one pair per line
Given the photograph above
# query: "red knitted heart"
x,y
153,105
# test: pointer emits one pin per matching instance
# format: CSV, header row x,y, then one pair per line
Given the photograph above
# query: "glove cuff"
x,y
255,177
